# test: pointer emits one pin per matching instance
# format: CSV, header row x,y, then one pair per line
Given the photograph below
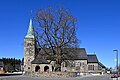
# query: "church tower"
x,y
29,48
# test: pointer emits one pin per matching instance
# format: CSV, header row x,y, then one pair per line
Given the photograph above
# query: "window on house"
x,y
90,67
81,63
93,67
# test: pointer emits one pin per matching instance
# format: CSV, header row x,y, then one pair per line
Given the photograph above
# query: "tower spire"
x,y
30,33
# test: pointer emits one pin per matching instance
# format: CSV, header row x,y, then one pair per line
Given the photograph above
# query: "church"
x,y
82,62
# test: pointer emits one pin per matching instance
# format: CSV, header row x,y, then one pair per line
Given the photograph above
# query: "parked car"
x,y
115,75
2,71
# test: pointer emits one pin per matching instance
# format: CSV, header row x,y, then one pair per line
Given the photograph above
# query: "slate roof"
x,y
30,33
74,54
92,58
39,60
69,54
101,65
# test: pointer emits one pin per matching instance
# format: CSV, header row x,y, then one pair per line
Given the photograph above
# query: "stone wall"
x,y
29,53
79,66
52,74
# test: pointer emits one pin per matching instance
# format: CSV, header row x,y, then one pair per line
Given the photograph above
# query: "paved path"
x,y
21,77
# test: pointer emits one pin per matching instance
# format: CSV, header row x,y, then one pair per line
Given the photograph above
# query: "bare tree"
x,y
55,30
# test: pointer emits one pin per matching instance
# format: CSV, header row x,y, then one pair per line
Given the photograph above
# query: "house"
x,y
74,59
92,63
76,63
1,65
17,67
94,66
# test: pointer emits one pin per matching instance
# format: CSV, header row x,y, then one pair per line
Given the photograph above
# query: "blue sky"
x,y
98,25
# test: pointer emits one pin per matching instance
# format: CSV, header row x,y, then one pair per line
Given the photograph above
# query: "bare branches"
x,y
55,30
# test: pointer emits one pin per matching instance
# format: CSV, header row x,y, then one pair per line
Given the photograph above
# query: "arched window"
x,y
37,68
66,63
52,68
73,64
46,68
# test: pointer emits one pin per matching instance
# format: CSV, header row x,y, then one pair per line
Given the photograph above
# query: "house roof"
x,y
74,54
68,54
30,33
101,65
92,58
39,61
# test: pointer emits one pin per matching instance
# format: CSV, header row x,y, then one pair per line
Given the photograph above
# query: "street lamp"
x,y
116,60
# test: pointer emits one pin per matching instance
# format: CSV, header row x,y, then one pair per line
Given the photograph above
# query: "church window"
x,y
28,60
80,64
83,63
90,67
65,64
31,51
73,64
29,44
28,67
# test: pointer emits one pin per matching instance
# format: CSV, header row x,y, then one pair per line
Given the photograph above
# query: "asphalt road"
x,y
21,77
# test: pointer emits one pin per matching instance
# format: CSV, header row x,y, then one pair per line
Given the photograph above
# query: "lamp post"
x,y
116,60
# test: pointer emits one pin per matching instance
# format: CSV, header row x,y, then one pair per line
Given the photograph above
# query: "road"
x,y
21,77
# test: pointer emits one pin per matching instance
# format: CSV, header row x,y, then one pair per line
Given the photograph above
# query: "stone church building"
x,y
80,62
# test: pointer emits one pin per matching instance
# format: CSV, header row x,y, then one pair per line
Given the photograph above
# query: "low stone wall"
x,y
51,74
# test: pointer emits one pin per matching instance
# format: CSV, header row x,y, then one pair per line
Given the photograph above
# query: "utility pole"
x,y
116,60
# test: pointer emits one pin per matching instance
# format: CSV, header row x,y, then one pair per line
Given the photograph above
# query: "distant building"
x,y
1,65
79,62
17,67
22,65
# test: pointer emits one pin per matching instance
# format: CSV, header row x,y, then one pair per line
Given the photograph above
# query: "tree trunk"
x,y
58,60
